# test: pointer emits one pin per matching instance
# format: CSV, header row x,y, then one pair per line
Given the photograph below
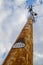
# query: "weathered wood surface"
x,y
22,56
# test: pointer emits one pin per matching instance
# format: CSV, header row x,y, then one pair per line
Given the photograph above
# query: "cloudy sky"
x,y
13,16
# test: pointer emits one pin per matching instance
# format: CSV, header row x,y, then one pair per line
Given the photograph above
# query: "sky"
x,y
13,16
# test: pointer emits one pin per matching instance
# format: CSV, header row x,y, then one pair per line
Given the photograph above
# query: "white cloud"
x,y
2,48
38,55
10,24
1,2
38,35
3,15
19,2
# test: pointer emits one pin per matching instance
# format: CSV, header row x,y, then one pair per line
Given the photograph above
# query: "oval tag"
x,y
19,45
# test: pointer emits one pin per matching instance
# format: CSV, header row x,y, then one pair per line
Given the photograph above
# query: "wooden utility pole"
x,y
22,55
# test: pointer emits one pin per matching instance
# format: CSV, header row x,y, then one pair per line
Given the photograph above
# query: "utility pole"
x,y
21,52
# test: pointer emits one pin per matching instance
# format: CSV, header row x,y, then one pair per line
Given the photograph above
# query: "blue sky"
x,y
12,20
31,2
